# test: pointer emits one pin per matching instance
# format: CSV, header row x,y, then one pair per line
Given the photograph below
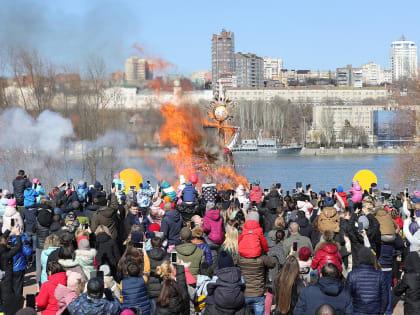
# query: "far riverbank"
x,y
354,151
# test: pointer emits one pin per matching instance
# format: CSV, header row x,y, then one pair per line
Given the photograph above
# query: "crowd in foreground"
x,y
195,249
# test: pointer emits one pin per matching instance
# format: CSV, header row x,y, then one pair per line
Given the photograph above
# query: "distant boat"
x,y
263,146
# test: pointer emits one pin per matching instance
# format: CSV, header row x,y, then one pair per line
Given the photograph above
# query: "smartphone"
x,y
192,225
97,274
294,191
406,192
138,245
148,181
30,300
411,213
35,185
295,246
113,185
119,186
132,187
242,205
12,222
360,226
308,186
160,189
86,226
287,193
334,190
265,190
298,185
173,257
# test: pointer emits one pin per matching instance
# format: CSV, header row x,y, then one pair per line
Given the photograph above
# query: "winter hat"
x,y
185,234
11,202
137,237
127,312
197,232
105,269
97,185
73,279
26,311
81,238
417,193
340,189
154,227
83,244
150,234
364,220
256,183
322,193
181,179
209,206
253,215
95,288
225,260
35,181
167,199
117,176
366,256
304,253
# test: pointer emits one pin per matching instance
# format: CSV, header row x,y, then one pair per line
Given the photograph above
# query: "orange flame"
x,y
183,130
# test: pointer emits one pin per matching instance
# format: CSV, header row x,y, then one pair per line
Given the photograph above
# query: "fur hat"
x,y
304,253
197,232
253,215
225,260
186,234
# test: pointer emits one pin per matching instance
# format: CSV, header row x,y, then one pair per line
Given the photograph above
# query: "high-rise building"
x,y
136,71
249,70
349,76
403,59
272,68
222,55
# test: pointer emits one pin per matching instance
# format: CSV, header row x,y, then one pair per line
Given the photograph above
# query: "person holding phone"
x,y
294,236
12,216
134,290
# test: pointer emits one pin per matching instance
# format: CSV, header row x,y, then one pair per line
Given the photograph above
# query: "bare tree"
x,y
327,125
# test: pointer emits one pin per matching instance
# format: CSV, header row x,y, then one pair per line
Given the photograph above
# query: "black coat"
x,y
19,185
171,226
156,256
267,216
305,227
368,288
107,252
228,290
42,233
410,284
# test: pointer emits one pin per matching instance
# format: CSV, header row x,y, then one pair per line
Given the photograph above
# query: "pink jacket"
x,y
64,296
356,193
213,225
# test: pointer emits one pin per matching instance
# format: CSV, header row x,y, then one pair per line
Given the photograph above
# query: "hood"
x,y
186,249
251,225
412,263
97,185
173,215
229,274
85,255
165,184
156,254
102,238
213,215
381,213
106,212
330,286
273,194
303,222
330,249
9,211
58,278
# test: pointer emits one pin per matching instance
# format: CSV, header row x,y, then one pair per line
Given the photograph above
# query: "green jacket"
x,y
191,253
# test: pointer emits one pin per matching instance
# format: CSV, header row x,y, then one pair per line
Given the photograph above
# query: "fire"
x,y
183,129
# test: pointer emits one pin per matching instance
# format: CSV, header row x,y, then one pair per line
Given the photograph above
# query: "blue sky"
x,y
317,35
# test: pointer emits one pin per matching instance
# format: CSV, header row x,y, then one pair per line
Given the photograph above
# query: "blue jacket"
x,y
171,226
29,218
368,288
40,191
326,291
134,294
44,260
85,305
19,260
189,193
30,197
387,251
207,252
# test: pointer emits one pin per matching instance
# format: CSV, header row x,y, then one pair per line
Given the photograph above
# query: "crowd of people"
x,y
197,249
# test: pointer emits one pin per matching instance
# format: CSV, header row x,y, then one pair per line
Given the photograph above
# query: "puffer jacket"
x,y
85,305
277,252
343,196
368,289
19,260
190,253
205,248
327,252
255,194
268,215
272,201
29,218
44,260
107,252
228,290
107,216
254,270
251,242
84,259
42,233
9,214
188,193
46,297
356,193
213,225
171,226
30,197
157,257
410,284
134,294
209,192
19,185
386,224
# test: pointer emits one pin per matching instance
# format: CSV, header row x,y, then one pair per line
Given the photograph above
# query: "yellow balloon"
x,y
131,177
365,178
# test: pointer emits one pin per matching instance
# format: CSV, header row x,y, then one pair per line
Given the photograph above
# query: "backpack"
x,y
329,220
200,298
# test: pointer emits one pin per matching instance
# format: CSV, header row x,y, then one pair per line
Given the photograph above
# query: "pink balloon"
x,y
193,178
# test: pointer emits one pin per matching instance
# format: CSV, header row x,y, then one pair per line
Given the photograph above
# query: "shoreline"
x,y
353,151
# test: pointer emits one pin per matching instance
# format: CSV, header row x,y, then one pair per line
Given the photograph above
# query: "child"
x,y
134,290
305,261
30,195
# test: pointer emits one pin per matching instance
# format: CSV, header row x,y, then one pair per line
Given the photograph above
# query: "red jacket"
x,y
399,221
255,194
328,253
251,242
343,196
46,299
